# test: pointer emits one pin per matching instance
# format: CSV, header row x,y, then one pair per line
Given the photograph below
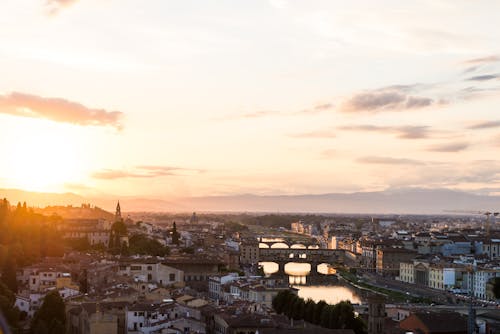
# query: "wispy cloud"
x,y
453,147
329,153
315,134
483,60
392,98
484,77
484,125
55,6
389,161
404,132
58,110
315,109
142,172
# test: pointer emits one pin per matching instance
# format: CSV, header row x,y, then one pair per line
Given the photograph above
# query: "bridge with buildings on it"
x,y
289,242
307,254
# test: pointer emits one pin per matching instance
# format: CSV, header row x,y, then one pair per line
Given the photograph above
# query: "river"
x,y
331,293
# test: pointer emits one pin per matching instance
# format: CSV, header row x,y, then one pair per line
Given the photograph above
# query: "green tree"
x,y
51,317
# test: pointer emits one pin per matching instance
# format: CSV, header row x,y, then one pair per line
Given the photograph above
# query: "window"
x,y
150,268
135,268
150,277
171,277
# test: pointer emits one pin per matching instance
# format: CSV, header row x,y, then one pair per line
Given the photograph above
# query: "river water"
x,y
331,293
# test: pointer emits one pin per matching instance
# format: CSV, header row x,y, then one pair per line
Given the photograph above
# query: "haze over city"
x,y
164,99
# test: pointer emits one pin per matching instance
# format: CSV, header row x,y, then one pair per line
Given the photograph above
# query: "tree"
x,y
51,317
9,273
309,310
7,300
318,309
298,309
496,287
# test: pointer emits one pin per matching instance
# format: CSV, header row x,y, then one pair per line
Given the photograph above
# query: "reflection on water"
x,y
295,269
298,278
331,294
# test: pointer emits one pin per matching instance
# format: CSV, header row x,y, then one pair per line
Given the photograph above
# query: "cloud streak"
x,y
484,77
58,110
389,161
392,98
143,172
453,147
403,132
315,134
483,60
55,6
484,125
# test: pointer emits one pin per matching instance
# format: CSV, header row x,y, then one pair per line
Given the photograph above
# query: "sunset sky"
x,y
183,98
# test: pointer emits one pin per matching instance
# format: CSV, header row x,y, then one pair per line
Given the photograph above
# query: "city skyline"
x,y
268,97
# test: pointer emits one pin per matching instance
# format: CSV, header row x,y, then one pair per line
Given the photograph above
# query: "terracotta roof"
x,y
436,322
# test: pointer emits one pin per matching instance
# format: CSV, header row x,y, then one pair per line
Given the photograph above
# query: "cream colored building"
x,y
152,271
436,277
407,272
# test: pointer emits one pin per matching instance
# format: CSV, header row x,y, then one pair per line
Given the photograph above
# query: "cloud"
x,y
315,134
392,98
140,172
58,110
404,132
484,125
453,147
479,64
483,60
329,153
389,161
484,77
54,6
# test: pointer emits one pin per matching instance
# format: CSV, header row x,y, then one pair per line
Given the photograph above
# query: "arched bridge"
x,y
289,242
317,256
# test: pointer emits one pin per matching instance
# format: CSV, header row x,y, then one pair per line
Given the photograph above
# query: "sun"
x,y
44,157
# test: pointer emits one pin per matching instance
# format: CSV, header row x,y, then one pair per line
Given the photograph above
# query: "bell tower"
x,y
376,314
118,213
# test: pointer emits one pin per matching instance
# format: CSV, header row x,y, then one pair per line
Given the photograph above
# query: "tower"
x,y
118,213
376,314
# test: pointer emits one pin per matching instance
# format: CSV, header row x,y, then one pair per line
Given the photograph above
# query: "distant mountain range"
x,y
401,201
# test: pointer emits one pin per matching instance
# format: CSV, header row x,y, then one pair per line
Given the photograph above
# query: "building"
x,y
249,252
389,259
215,284
481,278
435,323
149,318
96,231
96,318
151,271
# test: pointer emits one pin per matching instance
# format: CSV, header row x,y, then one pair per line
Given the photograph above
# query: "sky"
x,y
167,98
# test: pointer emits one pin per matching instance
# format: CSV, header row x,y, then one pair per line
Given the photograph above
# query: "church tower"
x,y
118,213
376,314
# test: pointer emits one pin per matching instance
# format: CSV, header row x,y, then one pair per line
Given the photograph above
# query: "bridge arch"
x,y
263,245
279,245
298,246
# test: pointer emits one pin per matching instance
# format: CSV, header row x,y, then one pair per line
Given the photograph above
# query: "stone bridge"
x,y
313,256
290,243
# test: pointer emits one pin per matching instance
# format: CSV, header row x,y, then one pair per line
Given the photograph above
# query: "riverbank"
x,y
393,295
